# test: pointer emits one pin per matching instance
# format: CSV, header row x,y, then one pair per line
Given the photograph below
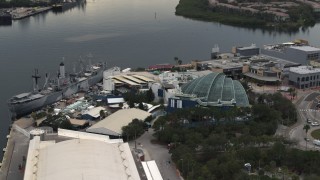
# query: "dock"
x,y
15,152
21,13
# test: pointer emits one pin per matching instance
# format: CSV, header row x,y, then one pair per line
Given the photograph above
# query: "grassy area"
x,y
316,134
200,10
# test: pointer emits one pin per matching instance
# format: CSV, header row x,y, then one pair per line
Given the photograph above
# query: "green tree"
x,y
150,95
176,59
306,128
141,106
102,114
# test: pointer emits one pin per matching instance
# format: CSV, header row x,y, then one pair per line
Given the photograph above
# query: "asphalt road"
x,y
306,109
159,153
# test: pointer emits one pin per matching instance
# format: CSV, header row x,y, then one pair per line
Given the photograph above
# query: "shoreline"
x,y
28,13
201,11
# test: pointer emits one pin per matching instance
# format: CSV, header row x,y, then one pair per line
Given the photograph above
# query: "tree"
x,y
102,114
306,128
179,61
150,95
141,106
176,59
34,115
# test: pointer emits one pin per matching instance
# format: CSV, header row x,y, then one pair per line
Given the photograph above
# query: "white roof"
x,y
78,122
95,112
151,170
80,159
112,124
143,78
115,100
305,48
304,70
22,95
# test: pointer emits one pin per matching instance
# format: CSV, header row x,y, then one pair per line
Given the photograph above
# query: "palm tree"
x,y
306,128
176,59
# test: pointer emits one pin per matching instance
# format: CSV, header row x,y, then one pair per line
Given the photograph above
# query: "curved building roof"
x,y
80,159
215,89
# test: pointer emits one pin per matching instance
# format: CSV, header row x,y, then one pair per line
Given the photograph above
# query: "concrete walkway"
x,y
159,153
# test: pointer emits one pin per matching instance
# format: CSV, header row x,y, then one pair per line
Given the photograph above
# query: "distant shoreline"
x,y
200,10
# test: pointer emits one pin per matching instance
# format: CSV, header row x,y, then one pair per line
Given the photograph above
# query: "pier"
x,y
15,153
21,13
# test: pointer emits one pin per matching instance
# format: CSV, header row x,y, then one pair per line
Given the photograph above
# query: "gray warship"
x,y
62,86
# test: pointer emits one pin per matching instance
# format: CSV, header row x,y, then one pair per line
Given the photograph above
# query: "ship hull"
x,y
21,109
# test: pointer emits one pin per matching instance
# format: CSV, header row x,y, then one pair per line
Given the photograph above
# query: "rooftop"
x,y
95,112
304,70
216,89
305,48
112,124
79,159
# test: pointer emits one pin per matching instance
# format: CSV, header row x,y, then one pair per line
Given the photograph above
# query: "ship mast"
x,y
35,78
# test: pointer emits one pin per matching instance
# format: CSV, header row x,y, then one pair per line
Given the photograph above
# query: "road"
x,y
306,109
159,153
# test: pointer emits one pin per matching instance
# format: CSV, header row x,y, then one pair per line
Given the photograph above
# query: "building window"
x,y
310,77
179,104
298,79
313,56
307,78
302,79
317,76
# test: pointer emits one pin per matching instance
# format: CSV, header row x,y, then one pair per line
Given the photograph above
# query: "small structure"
x,y
93,114
247,51
112,124
78,123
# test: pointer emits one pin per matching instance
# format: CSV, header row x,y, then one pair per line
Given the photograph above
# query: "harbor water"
x,y
135,33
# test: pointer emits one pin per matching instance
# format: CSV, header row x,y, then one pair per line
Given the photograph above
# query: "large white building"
x,y
87,157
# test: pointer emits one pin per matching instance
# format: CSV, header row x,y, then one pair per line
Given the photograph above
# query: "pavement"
x,y
14,159
305,109
159,153
17,149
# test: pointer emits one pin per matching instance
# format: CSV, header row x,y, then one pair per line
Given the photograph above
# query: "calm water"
x,y
126,33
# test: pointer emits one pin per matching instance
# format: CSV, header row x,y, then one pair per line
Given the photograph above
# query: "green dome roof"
x,y
217,89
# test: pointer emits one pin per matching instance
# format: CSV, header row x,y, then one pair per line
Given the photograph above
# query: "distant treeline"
x,y
300,16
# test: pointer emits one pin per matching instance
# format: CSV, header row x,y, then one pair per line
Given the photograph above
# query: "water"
x,y
126,33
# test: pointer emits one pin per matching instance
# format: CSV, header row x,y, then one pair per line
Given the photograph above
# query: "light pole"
x,y
181,166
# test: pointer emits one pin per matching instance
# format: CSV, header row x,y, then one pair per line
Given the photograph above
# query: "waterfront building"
x,y
304,77
251,50
297,52
114,79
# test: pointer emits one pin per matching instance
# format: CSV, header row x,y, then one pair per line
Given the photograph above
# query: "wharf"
x,y
21,13
14,158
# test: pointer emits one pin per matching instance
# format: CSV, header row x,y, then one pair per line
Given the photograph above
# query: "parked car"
x,y
309,120
314,124
316,142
